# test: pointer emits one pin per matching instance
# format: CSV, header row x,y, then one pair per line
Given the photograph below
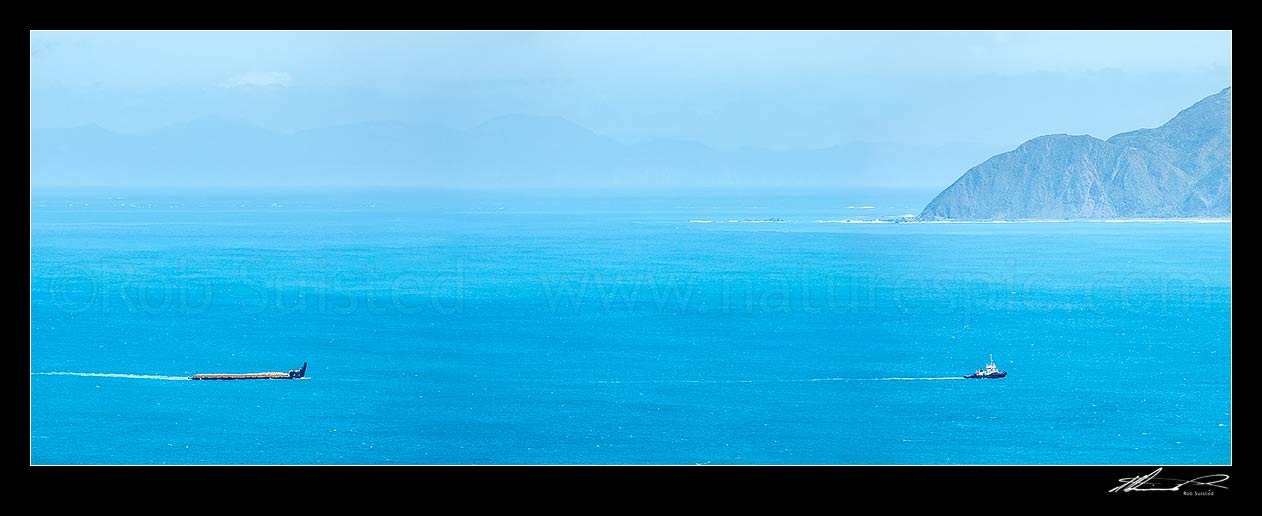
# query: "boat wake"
x,y
116,375
783,380
927,378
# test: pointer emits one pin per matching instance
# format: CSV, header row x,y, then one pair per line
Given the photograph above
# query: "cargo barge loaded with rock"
x,y
293,374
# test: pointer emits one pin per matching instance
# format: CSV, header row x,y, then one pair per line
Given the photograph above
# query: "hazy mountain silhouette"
x,y
510,151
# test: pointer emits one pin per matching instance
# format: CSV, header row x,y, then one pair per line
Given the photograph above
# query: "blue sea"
x,y
617,327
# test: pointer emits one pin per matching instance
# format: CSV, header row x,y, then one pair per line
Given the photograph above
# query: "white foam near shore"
x,y
1192,221
1052,221
738,221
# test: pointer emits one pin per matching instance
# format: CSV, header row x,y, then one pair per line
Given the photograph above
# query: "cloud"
x,y
259,80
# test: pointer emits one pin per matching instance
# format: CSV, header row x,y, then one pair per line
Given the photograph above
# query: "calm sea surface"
x,y
449,327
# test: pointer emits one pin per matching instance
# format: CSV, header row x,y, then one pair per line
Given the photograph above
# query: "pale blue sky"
x,y
725,89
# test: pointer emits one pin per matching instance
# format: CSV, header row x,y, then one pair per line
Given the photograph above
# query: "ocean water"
x,y
723,327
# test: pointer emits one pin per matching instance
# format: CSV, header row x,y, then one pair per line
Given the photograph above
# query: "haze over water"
x,y
630,247
459,327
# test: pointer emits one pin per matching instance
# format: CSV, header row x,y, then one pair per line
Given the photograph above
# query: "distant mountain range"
x,y
1181,169
508,151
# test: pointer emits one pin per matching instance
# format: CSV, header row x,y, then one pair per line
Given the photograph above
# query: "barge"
x,y
293,374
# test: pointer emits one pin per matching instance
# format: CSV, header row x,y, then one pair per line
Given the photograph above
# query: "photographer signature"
x,y
1151,482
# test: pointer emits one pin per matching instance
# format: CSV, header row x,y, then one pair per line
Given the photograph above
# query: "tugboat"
x,y
989,372
293,374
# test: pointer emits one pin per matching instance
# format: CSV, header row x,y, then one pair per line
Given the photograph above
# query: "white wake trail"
x,y
927,378
116,375
783,380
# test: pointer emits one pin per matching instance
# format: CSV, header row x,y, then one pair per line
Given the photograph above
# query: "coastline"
x,y
1105,221
1014,221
